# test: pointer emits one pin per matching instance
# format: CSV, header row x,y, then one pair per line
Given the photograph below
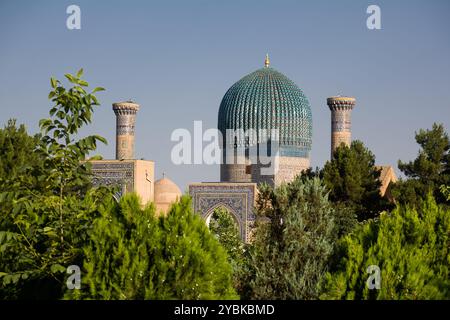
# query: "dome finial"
x,y
267,61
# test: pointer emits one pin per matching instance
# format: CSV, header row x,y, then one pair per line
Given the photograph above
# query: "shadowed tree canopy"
x,y
293,241
353,180
429,171
19,165
17,150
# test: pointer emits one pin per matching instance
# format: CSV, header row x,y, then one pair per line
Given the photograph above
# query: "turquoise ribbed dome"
x,y
267,99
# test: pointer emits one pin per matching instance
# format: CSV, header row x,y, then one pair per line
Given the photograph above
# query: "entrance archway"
x,y
233,215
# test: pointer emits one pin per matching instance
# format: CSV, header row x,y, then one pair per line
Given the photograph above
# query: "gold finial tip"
x,y
267,61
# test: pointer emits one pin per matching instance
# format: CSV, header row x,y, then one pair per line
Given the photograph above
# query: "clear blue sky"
x,y
178,58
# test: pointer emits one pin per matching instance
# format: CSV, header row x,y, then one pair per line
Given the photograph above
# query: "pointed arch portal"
x,y
230,211
237,198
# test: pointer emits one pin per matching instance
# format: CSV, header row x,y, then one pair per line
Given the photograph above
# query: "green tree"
x,y
18,158
17,151
223,226
345,217
428,171
445,190
135,255
353,180
117,257
225,229
411,248
292,242
45,222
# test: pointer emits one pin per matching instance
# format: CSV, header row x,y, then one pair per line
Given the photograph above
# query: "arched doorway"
x,y
231,213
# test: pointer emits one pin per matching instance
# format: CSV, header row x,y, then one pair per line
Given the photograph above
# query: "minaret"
x,y
341,111
125,120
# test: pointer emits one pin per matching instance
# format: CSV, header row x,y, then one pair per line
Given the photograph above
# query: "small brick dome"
x,y
166,193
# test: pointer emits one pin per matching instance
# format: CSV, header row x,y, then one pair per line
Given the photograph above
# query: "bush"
x,y
410,246
134,255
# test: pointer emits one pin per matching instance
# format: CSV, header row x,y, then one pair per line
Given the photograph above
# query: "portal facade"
x,y
237,198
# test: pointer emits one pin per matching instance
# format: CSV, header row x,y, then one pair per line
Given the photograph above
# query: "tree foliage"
x,y
410,246
293,240
18,160
225,229
223,226
445,190
353,180
133,254
17,151
429,171
52,217
47,207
